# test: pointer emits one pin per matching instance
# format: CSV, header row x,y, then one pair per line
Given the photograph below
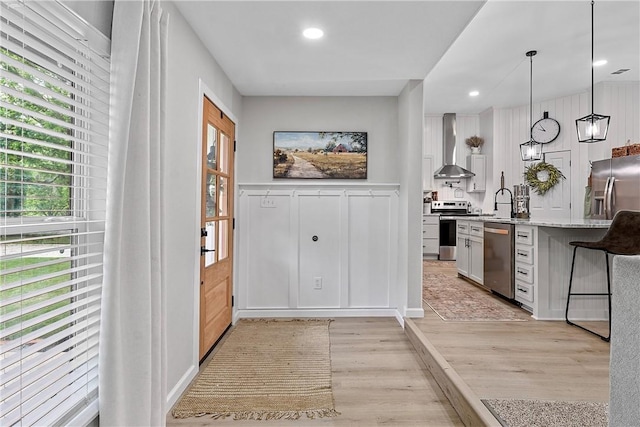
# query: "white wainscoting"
x,y
350,268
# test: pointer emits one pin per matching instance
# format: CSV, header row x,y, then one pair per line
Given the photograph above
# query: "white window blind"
x,y
54,114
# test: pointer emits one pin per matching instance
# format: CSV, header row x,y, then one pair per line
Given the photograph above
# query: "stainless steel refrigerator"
x,y
615,186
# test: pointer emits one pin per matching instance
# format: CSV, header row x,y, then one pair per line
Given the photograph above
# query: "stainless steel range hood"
x,y
450,169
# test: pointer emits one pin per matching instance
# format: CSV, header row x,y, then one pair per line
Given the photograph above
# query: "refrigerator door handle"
x,y
609,200
605,198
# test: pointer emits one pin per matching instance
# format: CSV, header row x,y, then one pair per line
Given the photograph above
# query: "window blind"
x,y
54,114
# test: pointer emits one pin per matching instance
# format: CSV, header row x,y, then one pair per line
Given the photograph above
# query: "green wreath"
x,y
541,187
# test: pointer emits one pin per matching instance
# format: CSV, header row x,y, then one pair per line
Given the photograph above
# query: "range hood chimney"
x,y
450,169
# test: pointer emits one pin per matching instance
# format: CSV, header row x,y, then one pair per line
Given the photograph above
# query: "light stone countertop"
x,y
553,223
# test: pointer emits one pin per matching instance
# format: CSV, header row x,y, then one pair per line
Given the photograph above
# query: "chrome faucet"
x,y
501,191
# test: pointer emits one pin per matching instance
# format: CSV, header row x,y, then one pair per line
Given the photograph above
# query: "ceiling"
x,y
372,48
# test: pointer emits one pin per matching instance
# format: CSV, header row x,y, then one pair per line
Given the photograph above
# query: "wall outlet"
x,y
267,203
317,283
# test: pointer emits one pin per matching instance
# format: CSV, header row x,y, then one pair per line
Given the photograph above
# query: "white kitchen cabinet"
x,y
525,280
462,248
430,236
477,163
476,251
470,250
427,173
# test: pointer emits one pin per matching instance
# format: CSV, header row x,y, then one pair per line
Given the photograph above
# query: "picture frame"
x,y
320,155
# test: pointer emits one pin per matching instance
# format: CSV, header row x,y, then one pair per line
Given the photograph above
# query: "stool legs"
x,y
608,294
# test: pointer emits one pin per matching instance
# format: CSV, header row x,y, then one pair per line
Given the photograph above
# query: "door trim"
x,y
205,90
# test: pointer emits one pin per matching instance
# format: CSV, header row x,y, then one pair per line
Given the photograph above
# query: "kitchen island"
x,y
542,260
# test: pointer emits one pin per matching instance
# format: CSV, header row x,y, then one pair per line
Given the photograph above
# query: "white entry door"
x,y
556,203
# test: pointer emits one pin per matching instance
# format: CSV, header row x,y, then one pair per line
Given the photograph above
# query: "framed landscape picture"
x,y
320,155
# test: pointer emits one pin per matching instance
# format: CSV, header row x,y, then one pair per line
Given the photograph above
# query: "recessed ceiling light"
x,y
313,33
474,93
599,63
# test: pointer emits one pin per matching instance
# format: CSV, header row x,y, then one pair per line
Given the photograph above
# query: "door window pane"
x,y
210,243
211,196
223,196
224,153
212,146
223,240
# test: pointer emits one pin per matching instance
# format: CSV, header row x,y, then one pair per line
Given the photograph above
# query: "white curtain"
x,y
132,338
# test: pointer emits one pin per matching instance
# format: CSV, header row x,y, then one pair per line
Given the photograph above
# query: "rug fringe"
x,y
261,415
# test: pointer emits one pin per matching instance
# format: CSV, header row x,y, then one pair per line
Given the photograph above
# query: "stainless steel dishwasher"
x,y
499,259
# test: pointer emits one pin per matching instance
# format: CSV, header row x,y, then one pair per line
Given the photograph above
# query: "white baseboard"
x,y
349,312
399,318
414,312
181,386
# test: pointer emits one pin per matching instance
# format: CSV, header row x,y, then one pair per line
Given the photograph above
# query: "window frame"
x,y
87,210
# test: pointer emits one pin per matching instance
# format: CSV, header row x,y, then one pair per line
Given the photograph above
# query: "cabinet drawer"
x,y
430,246
524,272
430,230
476,229
524,254
462,227
430,219
524,235
524,292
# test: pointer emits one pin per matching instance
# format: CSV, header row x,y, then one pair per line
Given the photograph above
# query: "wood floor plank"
x,y
525,360
378,379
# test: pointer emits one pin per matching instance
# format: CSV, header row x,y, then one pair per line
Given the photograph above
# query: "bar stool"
x,y
622,238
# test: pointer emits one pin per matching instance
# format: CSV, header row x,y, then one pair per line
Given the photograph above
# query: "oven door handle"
x,y
496,230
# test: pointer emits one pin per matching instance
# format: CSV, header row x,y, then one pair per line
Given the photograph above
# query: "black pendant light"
x,y
531,151
594,127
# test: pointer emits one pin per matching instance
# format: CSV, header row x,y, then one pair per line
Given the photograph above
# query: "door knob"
x,y
204,250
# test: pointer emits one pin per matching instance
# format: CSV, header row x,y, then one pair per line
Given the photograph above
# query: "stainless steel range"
x,y
448,238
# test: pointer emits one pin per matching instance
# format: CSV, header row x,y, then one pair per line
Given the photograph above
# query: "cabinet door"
x,y
462,255
477,163
476,259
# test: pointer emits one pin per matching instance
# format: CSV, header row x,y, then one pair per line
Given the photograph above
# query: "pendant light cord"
x,y
531,54
531,100
592,88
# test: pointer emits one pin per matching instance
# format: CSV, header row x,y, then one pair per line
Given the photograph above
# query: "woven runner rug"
x,y
266,369
546,413
454,299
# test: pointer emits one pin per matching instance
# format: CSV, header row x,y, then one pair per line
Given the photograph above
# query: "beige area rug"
x,y
548,413
454,299
266,369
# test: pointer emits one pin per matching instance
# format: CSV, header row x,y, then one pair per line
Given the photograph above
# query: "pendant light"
x,y
594,127
531,151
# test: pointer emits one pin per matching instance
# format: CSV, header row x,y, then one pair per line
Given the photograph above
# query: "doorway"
x,y
216,225
556,203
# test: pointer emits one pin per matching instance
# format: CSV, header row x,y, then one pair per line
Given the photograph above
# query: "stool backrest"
x,y
623,236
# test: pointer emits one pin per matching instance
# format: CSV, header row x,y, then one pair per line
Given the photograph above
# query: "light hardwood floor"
x,y
377,380
528,360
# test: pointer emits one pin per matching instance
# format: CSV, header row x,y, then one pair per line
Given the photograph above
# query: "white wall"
x,y
411,127
619,100
263,115
277,261
348,270
505,129
466,126
188,61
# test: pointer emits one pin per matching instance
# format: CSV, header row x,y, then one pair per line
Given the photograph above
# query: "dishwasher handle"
x,y
496,230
